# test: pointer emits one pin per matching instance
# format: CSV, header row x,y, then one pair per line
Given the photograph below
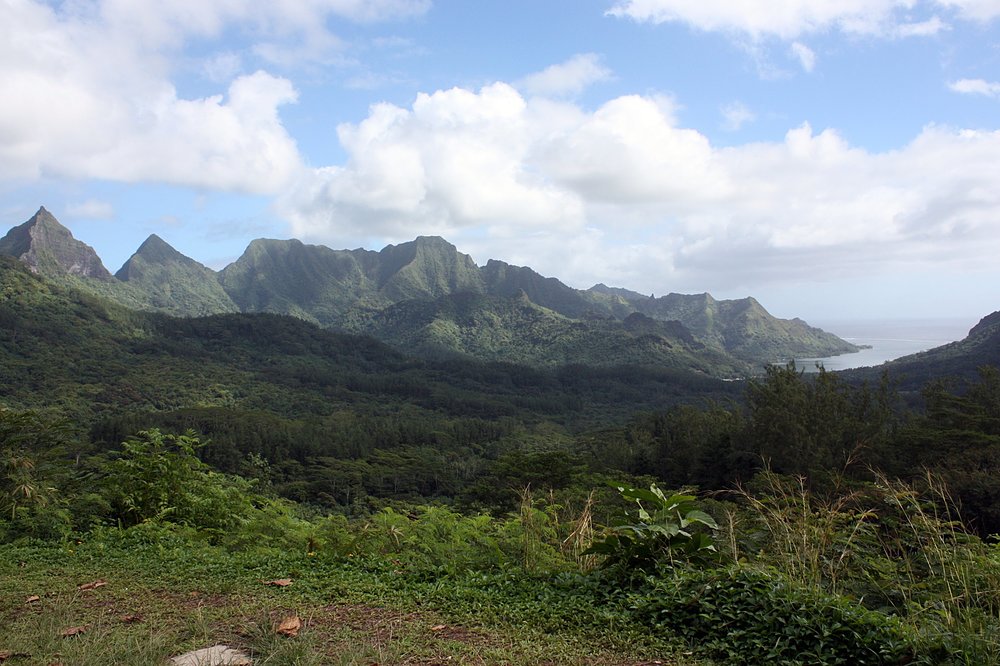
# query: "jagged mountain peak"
x,y
428,266
49,248
348,289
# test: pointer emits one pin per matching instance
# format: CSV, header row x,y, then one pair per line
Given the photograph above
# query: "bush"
x,y
747,616
158,477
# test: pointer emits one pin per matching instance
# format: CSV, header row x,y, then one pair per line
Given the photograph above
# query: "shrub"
x,y
159,477
747,616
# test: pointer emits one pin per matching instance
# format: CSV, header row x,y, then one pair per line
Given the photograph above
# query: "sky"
x,y
835,159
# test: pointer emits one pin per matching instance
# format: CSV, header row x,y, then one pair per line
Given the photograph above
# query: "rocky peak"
x,y
48,248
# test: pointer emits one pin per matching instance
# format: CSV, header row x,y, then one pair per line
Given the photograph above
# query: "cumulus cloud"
x,y
978,10
976,87
568,78
456,160
89,93
641,201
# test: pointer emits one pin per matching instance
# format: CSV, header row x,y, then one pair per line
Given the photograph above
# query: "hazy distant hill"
x,y
518,330
422,297
743,327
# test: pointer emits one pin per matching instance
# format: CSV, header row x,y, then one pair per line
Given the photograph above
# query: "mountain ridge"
x,y
351,291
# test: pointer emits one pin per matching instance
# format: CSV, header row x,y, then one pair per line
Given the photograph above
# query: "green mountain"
x,y
364,291
741,327
49,249
333,287
422,297
502,279
173,283
82,356
517,330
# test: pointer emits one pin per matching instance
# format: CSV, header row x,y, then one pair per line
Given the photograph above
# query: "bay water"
x,y
888,339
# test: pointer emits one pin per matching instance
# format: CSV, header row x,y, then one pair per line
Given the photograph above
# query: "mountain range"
x,y
426,297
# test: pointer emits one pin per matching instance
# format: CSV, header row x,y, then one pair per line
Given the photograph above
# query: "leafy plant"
x,y
159,477
747,616
659,530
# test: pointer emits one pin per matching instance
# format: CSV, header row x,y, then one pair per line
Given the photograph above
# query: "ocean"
x,y
889,339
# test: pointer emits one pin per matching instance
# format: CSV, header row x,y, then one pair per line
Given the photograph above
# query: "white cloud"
x,y
222,67
791,19
978,10
89,93
625,195
568,78
928,28
805,55
735,115
787,19
455,161
91,209
976,87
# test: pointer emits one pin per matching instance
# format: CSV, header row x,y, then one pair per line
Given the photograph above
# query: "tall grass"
x,y
894,547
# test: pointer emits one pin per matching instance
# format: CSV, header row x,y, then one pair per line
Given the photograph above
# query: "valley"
x,y
474,443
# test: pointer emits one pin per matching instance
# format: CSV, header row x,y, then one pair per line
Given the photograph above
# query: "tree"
x,y
158,476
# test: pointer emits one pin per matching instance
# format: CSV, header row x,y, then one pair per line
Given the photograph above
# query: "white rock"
x,y
217,655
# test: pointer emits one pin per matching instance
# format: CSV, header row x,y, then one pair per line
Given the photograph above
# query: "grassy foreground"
x,y
162,599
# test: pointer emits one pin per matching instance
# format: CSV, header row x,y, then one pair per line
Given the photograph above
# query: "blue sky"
x,y
836,159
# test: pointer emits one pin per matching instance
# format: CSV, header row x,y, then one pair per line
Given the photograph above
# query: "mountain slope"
x,y
82,356
311,282
172,282
517,330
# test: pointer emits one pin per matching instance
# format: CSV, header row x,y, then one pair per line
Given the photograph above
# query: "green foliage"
x,y
896,549
958,437
660,531
158,477
705,447
748,616
798,425
30,502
